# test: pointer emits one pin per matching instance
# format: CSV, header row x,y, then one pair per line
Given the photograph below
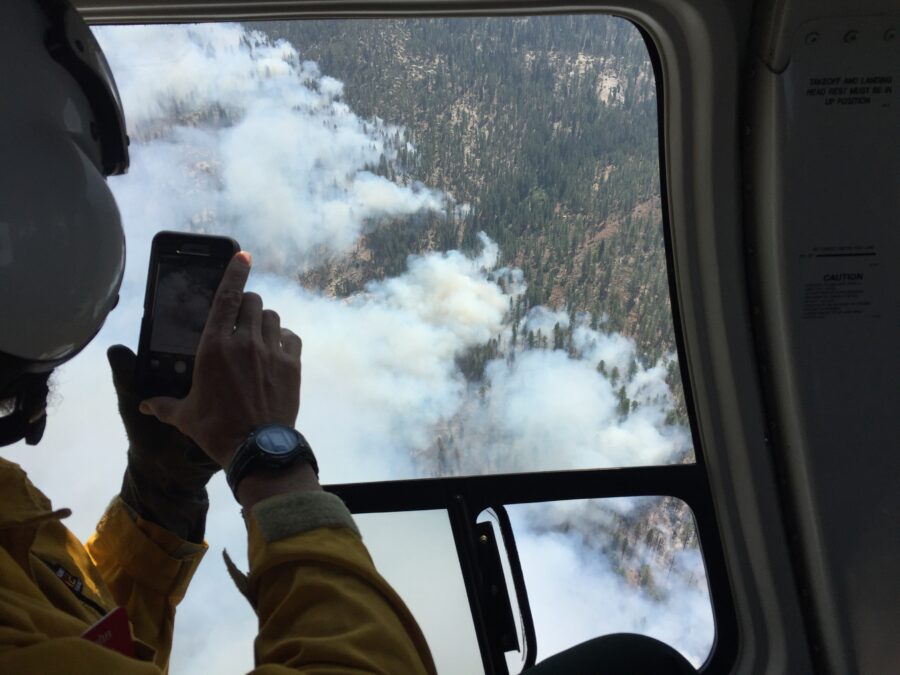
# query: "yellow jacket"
x,y
322,606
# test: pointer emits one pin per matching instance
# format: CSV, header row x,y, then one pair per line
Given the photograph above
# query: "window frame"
x,y
703,45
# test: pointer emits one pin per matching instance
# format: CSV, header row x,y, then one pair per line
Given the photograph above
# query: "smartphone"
x,y
185,271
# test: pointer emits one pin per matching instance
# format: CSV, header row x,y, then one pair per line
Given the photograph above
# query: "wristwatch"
x,y
271,446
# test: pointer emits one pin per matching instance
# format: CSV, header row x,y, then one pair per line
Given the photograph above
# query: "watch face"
x,y
277,440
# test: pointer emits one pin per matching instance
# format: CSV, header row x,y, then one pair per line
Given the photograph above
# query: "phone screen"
x,y
184,295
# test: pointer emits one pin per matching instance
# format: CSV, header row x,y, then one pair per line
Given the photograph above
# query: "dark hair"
x,y
23,394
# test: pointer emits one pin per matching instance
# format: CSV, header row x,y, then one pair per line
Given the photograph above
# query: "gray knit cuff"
x,y
301,511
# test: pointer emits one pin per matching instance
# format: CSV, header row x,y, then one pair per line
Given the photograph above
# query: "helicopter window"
x,y
461,217
591,566
463,220
599,566
416,553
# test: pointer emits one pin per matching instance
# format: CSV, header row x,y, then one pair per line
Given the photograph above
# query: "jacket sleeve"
x,y
322,606
147,570
73,656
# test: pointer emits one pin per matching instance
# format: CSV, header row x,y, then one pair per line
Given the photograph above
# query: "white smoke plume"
x,y
545,399
259,138
234,134
542,320
379,373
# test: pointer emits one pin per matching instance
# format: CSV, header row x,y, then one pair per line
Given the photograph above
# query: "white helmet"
x,y
62,248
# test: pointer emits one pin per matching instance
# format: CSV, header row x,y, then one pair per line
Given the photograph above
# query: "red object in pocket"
x,y
112,632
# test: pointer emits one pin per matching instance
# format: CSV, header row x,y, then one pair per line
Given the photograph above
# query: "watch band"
x,y
250,457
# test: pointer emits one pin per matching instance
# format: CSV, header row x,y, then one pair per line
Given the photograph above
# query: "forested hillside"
x,y
544,129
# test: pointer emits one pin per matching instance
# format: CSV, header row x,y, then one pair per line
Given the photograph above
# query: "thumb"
x,y
121,362
163,408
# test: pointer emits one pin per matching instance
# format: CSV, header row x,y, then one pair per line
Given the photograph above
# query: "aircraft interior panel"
x,y
825,244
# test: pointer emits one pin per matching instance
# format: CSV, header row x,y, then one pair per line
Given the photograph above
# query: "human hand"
x,y
158,449
246,373
165,480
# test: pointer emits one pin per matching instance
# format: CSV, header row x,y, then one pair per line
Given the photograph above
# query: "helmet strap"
x,y
29,417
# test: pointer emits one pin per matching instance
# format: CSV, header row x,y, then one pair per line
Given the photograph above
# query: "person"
x,y
108,606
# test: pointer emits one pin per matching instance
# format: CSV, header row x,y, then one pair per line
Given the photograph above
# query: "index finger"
x,y
227,303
